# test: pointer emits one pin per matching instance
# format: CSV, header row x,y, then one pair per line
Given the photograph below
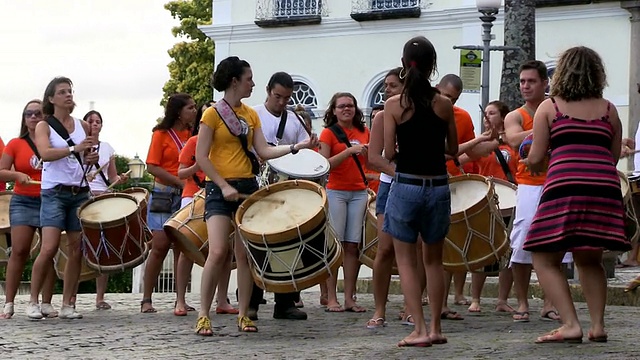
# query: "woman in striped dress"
x,y
581,208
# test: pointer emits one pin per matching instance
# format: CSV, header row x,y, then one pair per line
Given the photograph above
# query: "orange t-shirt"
x,y
465,130
490,165
345,176
164,152
187,158
24,161
523,176
3,186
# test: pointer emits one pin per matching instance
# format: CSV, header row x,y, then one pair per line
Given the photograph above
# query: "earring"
x,y
402,74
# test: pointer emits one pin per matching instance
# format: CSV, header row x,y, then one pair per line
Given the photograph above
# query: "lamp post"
x,y
136,166
489,9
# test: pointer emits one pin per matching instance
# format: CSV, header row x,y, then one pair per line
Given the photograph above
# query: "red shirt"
x,y
465,130
187,158
490,165
345,176
24,161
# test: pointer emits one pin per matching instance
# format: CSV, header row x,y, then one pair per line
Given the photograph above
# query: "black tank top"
x,y
421,142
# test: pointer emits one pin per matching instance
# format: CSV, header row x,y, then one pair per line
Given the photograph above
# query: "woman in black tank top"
x,y
419,203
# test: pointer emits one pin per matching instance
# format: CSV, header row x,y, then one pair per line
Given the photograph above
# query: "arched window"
x,y
304,95
377,96
551,68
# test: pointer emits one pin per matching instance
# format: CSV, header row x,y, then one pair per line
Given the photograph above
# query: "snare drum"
x,y
477,236
305,165
60,262
632,229
284,228
142,197
188,230
114,235
369,246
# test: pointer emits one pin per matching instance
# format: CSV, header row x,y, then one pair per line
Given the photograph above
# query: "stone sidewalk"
x,y
125,333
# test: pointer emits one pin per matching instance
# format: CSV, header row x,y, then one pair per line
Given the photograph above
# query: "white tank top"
x,y
65,171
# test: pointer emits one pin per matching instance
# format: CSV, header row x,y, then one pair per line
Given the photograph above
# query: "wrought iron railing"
x,y
367,6
276,9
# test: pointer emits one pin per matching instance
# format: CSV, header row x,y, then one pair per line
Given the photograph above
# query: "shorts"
x,y
527,200
25,210
347,211
418,209
215,204
155,221
59,208
381,197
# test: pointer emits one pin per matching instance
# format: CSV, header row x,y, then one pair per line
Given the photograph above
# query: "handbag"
x,y
161,202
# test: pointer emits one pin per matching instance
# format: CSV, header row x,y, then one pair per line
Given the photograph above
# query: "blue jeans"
x,y
155,221
60,206
347,213
413,209
25,210
381,197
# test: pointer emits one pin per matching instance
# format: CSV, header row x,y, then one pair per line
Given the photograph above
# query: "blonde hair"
x,y
579,75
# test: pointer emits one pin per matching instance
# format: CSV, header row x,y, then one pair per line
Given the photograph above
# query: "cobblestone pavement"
x,y
125,333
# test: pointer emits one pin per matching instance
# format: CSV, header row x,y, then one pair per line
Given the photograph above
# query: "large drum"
x,y
61,258
284,228
141,195
369,247
305,165
188,230
477,236
632,229
114,234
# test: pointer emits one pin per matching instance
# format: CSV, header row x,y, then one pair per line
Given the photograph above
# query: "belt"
x,y
164,187
73,189
421,182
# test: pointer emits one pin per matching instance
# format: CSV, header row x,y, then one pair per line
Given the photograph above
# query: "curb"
x,y
615,294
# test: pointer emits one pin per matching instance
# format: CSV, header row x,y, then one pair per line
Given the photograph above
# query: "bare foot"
x,y
474,307
504,307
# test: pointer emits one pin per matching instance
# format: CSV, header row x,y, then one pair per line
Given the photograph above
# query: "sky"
x,y
114,51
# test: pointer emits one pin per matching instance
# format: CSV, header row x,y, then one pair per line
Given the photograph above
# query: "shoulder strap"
x,y
175,139
342,137
64,134
31,145
281,125
231,121
504,165
101,172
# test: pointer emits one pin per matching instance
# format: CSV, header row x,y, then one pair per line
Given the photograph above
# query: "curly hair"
x,y
330,118
579,75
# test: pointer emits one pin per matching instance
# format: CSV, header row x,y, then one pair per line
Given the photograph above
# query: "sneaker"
x,y
33,312
48,311
69,312
291,313
7,312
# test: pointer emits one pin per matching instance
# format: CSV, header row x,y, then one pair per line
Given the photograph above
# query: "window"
x,y
393,4
377,97
297,7
304,95
551,68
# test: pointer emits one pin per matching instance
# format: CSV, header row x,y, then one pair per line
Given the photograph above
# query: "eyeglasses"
x,y
345,106
30,113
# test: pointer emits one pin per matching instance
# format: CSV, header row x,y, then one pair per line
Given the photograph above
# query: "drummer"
x,y
20,164
231,170
491,166
100,182
272,114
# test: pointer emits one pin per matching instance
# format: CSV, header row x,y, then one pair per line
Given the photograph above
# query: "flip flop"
x,y
355,309
376,323
451,315
547,316
103,305
465,302
523,316
404,343
439,341
632,285
555,337
232,311
600,339
407,321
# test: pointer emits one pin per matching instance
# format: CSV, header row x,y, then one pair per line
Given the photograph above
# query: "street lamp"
x,y
136,166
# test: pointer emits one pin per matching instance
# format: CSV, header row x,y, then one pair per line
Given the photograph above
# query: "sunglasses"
x,y
30,113
345,106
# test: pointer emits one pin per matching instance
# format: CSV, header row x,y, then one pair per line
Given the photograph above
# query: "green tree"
x,y
192,65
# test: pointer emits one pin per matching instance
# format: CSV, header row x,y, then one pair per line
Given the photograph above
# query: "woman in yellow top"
x,y
230,172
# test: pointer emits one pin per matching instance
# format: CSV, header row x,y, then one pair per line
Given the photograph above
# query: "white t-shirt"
x,y
105,152
294,131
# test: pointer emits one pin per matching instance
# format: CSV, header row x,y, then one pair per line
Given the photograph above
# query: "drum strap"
x,y
342,137
504,165
237,128
281,125
104,178
57,126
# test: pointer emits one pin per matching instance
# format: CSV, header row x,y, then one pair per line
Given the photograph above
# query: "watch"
x,y
72,149
293,149
500,139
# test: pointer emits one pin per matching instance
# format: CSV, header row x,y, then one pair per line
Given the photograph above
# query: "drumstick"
x,y
114,184
246,196
632,152
33,182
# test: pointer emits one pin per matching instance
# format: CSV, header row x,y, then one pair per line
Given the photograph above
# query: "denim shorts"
x,y
381,197
413,209
24,210
155,221
59,208
215,204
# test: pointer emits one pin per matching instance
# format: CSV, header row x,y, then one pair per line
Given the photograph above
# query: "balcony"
x,y
279,13
367,10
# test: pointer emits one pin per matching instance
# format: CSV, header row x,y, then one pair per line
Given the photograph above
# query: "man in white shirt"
x,y
280,127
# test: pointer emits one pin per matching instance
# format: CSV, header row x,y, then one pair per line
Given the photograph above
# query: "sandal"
x,y
186,307
408,321
634,284
376,323
555,337
450,315
246,325
551,315
8,312
103,305
150,310
203,326
521,316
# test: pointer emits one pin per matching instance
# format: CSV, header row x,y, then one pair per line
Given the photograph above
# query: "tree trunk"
x,y
519,30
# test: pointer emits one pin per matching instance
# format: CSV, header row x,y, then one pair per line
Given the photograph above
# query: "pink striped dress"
x,y
581,207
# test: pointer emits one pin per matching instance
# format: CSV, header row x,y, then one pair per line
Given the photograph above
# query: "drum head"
x,y
107,209
466,193
624,184
281,211
306,164
5,199
506,196
139,195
